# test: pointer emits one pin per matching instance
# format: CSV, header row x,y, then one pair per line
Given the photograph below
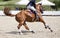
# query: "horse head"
x,y
39,8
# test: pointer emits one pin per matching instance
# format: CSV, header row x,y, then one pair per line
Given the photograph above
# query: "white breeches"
x,y
31,7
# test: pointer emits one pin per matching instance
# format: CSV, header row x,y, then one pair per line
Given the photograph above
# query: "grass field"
x,y
12,5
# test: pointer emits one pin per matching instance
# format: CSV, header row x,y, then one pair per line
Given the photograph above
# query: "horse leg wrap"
x,y
49,28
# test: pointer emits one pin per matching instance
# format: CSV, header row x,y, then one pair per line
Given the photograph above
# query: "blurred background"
x,y
13,6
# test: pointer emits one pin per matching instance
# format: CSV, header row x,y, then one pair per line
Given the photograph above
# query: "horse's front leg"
x,y
41,19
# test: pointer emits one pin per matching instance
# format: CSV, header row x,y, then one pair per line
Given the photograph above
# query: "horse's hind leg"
x,y
41,19
19,26
26,27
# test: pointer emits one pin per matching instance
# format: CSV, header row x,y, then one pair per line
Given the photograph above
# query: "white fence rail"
x,y
45,12
51,13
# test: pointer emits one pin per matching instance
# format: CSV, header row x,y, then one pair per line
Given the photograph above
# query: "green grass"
x,y
1,0
12,5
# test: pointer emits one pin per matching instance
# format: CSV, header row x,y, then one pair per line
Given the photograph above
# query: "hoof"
x,y
45,27
32,31
51,30
20,33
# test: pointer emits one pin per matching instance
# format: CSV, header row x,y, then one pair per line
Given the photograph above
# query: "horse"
x,y
27,16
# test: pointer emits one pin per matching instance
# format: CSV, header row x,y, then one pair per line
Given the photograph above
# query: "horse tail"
x,y
7,12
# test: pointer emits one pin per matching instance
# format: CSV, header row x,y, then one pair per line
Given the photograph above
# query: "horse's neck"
x,y
38,8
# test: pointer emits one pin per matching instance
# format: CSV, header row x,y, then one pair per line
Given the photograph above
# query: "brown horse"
x,y
27,16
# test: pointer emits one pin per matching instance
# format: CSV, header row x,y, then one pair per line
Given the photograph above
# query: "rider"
x,y
32,6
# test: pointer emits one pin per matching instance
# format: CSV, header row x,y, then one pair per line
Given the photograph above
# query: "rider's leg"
x,y
36,13
32,8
